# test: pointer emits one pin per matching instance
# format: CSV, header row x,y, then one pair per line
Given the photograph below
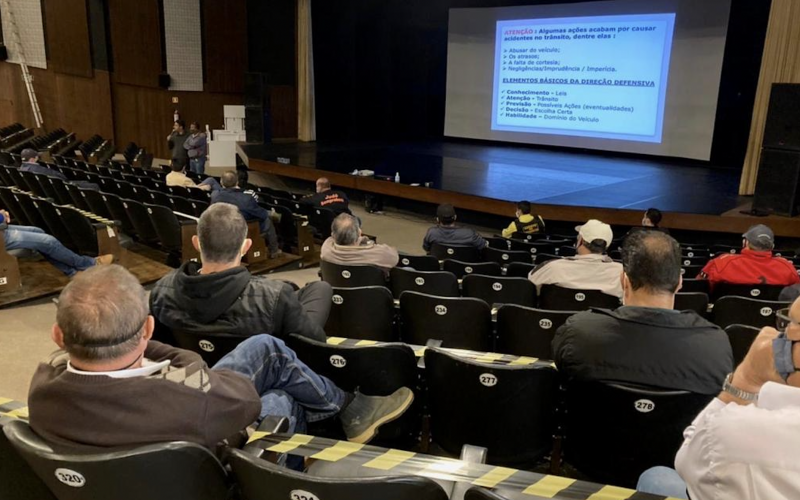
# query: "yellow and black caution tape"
x,y
10,410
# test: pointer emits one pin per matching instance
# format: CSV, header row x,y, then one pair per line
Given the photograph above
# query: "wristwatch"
x,y
734,391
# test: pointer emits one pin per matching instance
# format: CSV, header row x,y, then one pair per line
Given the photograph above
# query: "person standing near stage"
x,y
525,222
326,197
196,147
175,141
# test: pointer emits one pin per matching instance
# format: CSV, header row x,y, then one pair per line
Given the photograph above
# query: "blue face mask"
x,y
782,353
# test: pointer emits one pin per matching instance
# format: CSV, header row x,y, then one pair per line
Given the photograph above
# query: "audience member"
x,y
33,238
326,197
646,341
176,140
446,232
244,183
755,265
650,222
221,296
790,293
590,269
744,444
110,385
178,178
249,207
348,246
30,159
196,146
525,222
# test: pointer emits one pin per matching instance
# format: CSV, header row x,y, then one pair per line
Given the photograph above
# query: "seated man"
x,y
525,223
110,385
33,238
447,233
590,269
178,178
650,222
30,159
328,198
744,444
348,246
249,207
646,341
754,266
220,295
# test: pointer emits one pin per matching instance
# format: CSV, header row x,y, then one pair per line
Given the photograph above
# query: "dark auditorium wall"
x,y
380,69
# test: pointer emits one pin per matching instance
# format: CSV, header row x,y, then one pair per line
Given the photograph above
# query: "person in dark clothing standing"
x,y
447,233
326,197
176,140
646,341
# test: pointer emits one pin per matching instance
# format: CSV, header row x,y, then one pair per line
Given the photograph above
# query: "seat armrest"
x,y
270,425
429,343
470,454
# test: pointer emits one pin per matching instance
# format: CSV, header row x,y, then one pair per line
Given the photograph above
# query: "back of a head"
x,y
221,231
446,214
524,207
229,179
654,215
323,184
652,262
102,313
344,229
177,166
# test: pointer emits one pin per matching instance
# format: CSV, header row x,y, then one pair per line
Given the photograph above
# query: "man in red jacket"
x,y
755,265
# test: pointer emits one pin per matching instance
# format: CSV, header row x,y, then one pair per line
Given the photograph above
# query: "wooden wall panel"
x,y
283,108
14,105
67,31
135,41
225,34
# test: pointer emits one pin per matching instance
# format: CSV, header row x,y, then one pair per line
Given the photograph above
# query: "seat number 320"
x,y
302,495
70,478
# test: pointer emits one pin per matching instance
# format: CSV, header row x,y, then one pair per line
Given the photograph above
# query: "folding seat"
x,y
31,210
761,292
77,197
541,258
498,243
692,250
352,276
504,257
573,299
285,226
118,211
638,428
199,194
55,223
528,237
720,249
376,370
508,409
461,269
526,331
174,233
163,199
460,322
321,219
693,261
462,253
741,338
733,310
187,206
97,204
179,191
140,218
519,270
210,346
695,285
5,176
786,254
19,179
500,290
441,283
563,251
419,262
49,189
18,480
62,196
365,312
692,301
91,237
126,190
163,471
534,247
10,204
34,181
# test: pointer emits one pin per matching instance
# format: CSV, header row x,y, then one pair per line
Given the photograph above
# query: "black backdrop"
x,y
381,66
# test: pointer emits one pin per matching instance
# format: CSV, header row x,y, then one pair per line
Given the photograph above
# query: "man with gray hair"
x,y
110,385
348,246
219,295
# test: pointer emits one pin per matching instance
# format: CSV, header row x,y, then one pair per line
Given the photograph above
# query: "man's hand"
x,y
6,216
758,366
204,187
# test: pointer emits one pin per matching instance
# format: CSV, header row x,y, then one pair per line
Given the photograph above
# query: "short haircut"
x,y
229,179
597,246
221,231
760,244
345,229
196,125
176,165
524,207
181,123
652,261
324,183
102,313
654,215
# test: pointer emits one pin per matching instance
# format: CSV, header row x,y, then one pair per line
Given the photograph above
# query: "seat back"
x,y
96,204
55,223
500,290
31,209
493,398
74,193
351,276
690,271
376,370
365,313
638,428
461,322
419,262
744,311
695,285
321,219
118,211
12,206
140,218
505,257
462,253
692,301
572,299
741,338
519,270
18,480
84,233
167,227
156,472
61,195
210,346
259,479
532,247
526,331
461,269
760,292
440,283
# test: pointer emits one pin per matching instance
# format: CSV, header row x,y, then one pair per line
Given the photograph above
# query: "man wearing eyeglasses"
x,y
746,443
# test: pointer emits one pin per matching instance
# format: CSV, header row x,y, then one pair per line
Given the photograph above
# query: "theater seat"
x,y
166,471
741,338
210,346
441,283
519,270
744,311
455,252
500,290
460,322
461,269
572,299
505,257
760,292
526,331
534,248
17,479
692,301
365,312
694,285
352,276
419,262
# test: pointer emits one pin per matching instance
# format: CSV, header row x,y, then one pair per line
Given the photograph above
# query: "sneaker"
x,y
105,260
365,414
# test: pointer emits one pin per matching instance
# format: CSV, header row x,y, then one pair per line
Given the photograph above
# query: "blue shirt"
x,y
246,204
35,168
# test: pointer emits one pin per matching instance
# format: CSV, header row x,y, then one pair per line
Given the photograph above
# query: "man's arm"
x,y
252,210
478,241
426,241
510,230
291,318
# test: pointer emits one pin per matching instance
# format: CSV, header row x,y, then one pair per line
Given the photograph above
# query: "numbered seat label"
x,y
302,495
346,274
766,311
338,361
497,287
644,406
419,280
206,346
440,310
580,297
545,324
488,379
755,292
71,478
337,299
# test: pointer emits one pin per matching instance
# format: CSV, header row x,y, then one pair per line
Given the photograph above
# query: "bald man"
x,y
328,198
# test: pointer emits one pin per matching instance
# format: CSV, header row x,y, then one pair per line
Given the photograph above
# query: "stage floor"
x,y
511,173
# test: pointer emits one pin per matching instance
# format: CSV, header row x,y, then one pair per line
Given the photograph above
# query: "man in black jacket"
x,y
646,341
221,296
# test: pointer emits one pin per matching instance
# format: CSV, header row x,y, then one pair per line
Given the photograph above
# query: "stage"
x,y
563,185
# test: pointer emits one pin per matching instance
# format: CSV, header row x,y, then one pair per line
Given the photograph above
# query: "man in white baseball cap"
x,y
590,269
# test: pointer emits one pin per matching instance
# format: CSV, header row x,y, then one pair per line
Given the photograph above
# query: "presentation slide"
x,y
584,76
632,76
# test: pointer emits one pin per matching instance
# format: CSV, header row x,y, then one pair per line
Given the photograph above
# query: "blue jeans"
x,y
288,388
210,181
33,238
198,165
662,481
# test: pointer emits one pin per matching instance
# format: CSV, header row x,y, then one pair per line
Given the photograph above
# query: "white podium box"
x,y
234,117
222,150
